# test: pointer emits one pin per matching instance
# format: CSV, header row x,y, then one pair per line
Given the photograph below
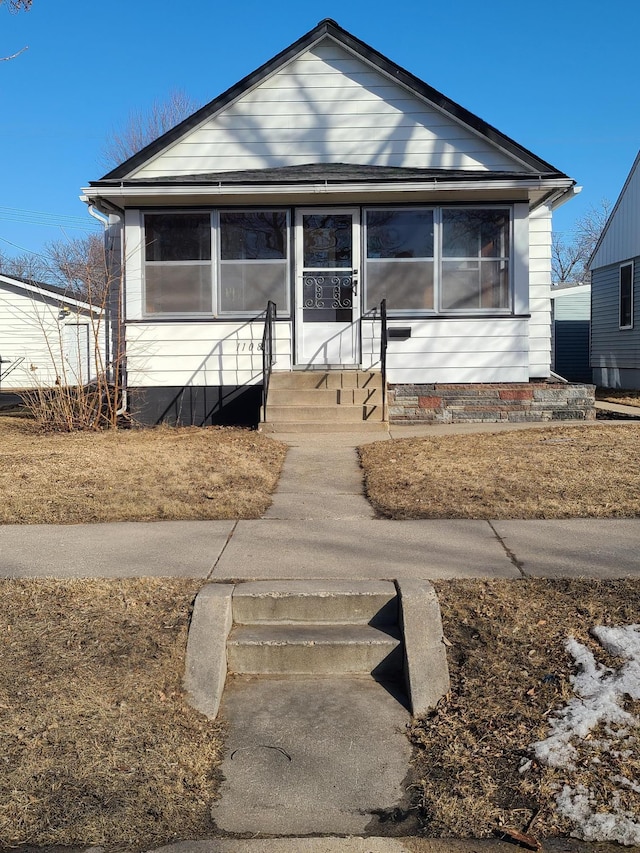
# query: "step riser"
x,y
315,659
324,397
313,414
357,609
284,427
321,379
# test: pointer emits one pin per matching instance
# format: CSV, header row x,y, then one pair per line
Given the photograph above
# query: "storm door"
x,y
327,291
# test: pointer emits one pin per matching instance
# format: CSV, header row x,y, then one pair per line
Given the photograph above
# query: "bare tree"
x,y
28,266
77,265
16,6
570,253
142,127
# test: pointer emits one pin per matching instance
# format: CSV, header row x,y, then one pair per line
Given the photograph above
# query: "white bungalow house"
x,y
47,337
335,184
615,292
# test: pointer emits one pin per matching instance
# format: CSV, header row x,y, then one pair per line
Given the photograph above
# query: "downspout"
x,y
107,311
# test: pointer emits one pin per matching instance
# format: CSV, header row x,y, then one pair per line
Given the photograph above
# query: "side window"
x,y
475,259
626,296
178,263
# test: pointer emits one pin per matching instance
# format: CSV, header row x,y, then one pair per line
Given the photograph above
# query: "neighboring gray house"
x,y
333,183
47,337
615,292
570,316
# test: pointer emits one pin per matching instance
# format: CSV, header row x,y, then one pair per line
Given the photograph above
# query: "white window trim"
x,y
229,315
620,268
175,315
215,313
437,310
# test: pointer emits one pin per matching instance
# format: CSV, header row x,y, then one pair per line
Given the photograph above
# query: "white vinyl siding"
x,y
198,353
447,350
32,328
540,293
328,106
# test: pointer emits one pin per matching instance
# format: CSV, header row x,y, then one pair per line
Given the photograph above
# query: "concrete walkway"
x,y
353,548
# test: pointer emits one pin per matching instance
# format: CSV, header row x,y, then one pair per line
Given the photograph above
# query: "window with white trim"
x,y
177,263
626,296
253,260
227,263
439,260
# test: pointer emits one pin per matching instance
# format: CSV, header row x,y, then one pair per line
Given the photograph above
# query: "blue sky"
x,y
558,76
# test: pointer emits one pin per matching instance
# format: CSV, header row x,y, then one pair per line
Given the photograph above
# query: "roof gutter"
x,y
558,187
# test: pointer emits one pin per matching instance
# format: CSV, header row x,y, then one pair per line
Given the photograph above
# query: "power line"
x,y
53,220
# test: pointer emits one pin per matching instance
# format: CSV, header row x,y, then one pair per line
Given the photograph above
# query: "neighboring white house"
x,y
571,316
328,181
47,338
615,292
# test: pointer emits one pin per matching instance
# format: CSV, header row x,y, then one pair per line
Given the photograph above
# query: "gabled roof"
x,y
331,29
40,288
612,218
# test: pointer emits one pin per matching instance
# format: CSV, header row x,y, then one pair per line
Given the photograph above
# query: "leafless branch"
x,y
142,127
13,55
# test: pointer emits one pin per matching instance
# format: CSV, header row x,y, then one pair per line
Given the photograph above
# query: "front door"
x,y
327,292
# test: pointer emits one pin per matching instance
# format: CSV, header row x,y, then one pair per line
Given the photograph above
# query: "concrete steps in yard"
x,y
315,628
324,401
388,630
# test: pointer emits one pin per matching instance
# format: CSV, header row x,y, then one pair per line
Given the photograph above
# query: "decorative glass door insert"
x,y
327,290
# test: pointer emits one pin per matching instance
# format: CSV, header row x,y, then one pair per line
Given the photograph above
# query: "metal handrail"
x,y
268,356
383,355
14,362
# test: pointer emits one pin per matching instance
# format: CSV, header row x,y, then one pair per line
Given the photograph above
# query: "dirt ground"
x,y
562,472
509,671
97,742
134,475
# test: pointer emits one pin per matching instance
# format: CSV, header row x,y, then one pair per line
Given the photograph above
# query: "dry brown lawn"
x,y
622,397
134,475
97,744
562,472
509,672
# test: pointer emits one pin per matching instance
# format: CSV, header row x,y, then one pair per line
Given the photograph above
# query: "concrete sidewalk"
x,y
321,526
325,548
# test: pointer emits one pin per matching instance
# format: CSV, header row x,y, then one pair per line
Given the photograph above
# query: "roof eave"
x,y
536,190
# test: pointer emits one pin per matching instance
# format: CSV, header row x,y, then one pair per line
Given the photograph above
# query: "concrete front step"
x,y
320,414
305,649
284,427
357,602
326,379
325,397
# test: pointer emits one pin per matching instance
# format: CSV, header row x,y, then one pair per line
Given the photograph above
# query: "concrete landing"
x,y
311,756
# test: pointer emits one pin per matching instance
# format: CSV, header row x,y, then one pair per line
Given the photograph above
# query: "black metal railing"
x,y
383,355
13,364
268,356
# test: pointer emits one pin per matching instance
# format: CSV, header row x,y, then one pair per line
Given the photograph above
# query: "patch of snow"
x,y
578,804
600,694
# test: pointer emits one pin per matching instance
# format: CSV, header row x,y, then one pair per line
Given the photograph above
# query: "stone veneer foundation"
x,y
492,402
